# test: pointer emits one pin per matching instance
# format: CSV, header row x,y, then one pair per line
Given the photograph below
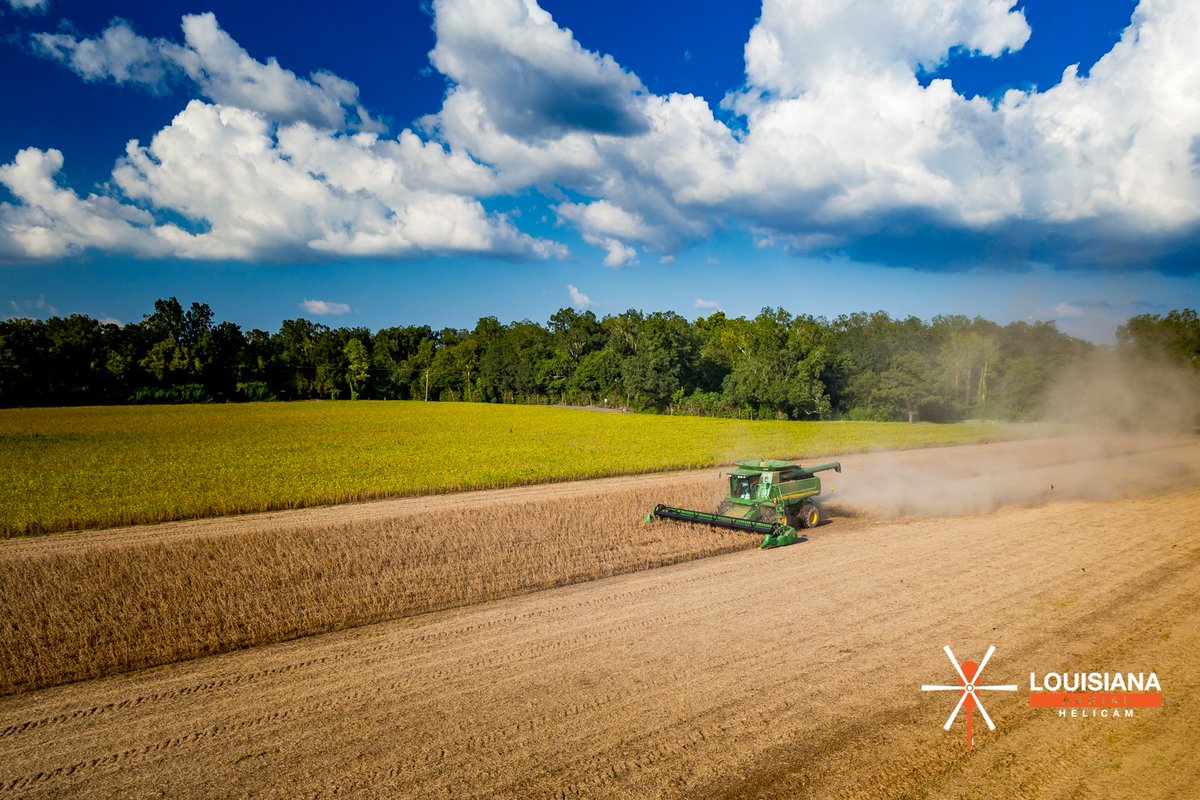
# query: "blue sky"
x,y
437,162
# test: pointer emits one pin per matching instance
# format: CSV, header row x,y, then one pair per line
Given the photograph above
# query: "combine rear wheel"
x,y
810,515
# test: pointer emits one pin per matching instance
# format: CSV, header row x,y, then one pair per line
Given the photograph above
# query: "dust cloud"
x,y
980,479
1116,391
1119,426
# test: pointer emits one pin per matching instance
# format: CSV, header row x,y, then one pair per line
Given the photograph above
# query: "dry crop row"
x,y
85,613
73,468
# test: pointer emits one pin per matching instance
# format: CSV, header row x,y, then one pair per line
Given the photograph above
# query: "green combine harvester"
x,y
774,498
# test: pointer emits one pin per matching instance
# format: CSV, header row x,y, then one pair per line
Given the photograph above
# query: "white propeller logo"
x,y
969,687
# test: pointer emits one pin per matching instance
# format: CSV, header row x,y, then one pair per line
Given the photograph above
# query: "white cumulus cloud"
x,y
1103,156
532,77
29,5
322,307
797,43
275,167
273,170
578,299
844,149
707,305
218,66
251,191
52,222
305,191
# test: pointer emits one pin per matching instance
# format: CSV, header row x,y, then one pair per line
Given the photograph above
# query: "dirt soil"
x,y
786,673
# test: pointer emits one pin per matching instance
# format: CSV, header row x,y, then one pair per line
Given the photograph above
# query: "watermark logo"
x,y
968,688
1105,695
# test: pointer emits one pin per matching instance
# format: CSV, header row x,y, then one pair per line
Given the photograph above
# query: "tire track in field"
x,y
359,655
219,731
473,739
1159,592
118,758
1164,593
165,695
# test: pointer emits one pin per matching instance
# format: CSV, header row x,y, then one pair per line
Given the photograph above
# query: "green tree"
x,y
861,365
77,364
777,361
905,387
1175,336
968,358
860,348
664,355
573,335
179,350
358,366
1029,357
24,362
220,353
510,367
400,358
1022,385
598,378
294,369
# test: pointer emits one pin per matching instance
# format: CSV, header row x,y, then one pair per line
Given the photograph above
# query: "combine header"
x,y
773,498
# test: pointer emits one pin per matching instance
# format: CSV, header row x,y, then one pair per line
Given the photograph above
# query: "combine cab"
x,y
774,498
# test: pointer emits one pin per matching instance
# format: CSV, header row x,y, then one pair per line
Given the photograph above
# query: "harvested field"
x,y
786,673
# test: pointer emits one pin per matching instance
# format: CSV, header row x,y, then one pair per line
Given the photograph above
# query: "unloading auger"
x,y
774,498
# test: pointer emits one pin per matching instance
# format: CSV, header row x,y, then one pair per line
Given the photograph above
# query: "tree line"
x,y
774,366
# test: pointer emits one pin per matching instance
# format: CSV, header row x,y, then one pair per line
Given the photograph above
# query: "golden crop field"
x,y
74,468
84,609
